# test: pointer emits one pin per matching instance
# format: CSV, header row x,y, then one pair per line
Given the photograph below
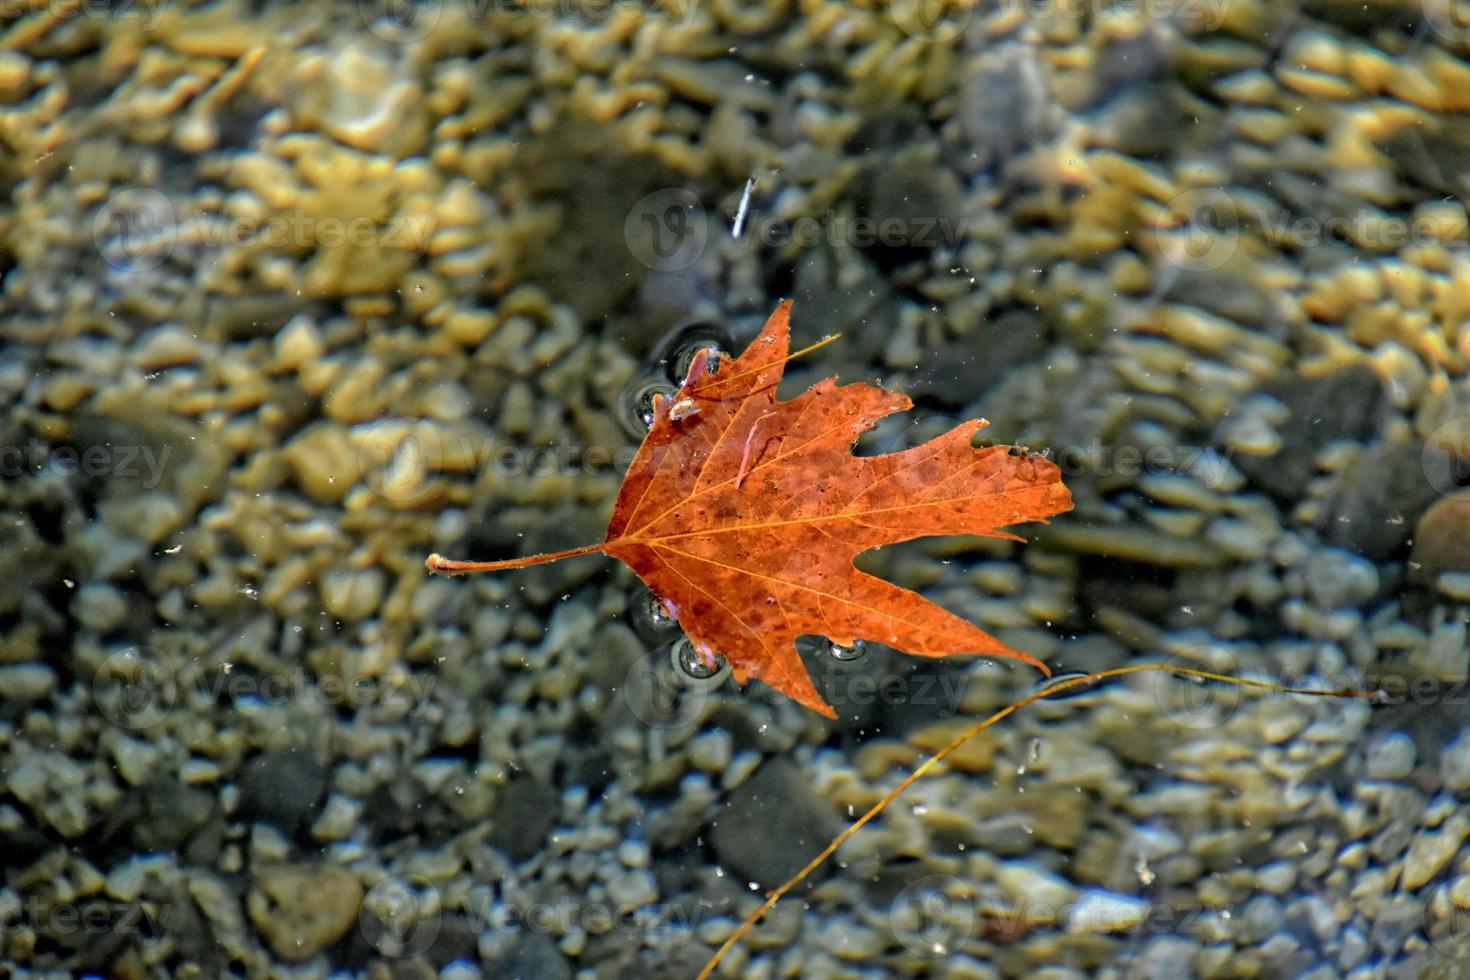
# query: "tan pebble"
x,y
1180,523
166,346
1371,324
1442,221
1454,585
15,69
1451,76
303,909
1411,84
1247,88
298,343
66,391
1360,284
1317,84
1401,370
1442,535
1151,547
1369,68
1116,168
318,377
1127,273
1432,850
1460,892
470,327
369,307
1264,125
975,756
1316,51
323,461
352,594
150,516
359,396
517,410
1407,284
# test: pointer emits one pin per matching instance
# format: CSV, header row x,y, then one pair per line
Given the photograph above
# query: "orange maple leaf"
x,y
743,515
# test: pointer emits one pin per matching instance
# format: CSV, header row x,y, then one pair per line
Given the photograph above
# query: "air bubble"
x,y
684,358
847,654
676,349
688,660
652,618
635,408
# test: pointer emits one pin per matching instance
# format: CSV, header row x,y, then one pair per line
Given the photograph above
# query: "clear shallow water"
x,y
295,296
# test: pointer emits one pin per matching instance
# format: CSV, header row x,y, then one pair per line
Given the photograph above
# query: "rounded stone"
x,y
99,606
1390,756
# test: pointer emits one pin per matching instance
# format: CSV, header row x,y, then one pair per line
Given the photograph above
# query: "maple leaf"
x,y
743,514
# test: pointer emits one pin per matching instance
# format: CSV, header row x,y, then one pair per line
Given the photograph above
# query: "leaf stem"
x,y
449,566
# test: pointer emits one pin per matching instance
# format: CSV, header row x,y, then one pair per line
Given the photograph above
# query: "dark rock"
x,y
914,205
772,825
1231,297
398,808
170,812
1379,499
1147,120
954,372
1002,107
591,187
1343,405
1441,540
284,788
533,957
841,292
524,813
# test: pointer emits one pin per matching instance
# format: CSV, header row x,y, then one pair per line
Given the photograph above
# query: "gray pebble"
x,y
1454,764
1390,756
99,607
1167,957
26,682
1337,579
1260,918
284,788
